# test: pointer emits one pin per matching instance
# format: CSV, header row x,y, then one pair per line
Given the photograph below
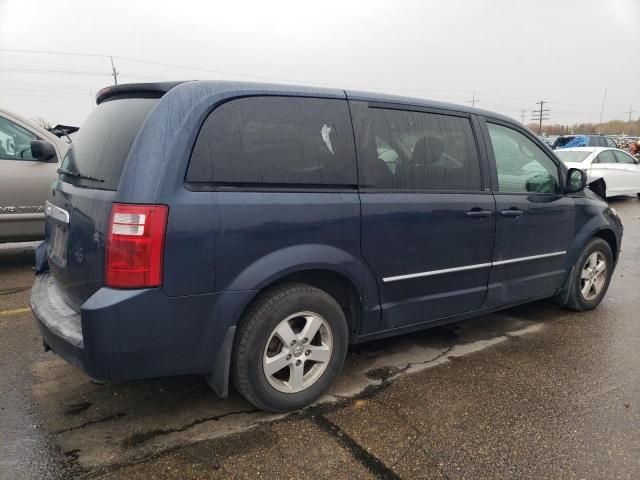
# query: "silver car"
x,y
29,158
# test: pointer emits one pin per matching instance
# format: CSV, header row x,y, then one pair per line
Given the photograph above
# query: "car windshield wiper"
x,y
79,175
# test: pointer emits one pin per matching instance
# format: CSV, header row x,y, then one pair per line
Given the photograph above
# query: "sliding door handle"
x,y
479,213
511,212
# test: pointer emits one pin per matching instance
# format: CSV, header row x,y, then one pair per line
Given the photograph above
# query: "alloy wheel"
x,y
593,276
297,352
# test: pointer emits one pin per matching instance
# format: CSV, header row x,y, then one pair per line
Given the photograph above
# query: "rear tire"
x,y
290,346
591,276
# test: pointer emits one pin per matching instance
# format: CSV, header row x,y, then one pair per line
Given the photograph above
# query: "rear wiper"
x,y
79,175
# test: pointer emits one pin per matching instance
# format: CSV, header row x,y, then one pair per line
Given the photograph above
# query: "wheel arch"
x,y
608,236
345,277
338,285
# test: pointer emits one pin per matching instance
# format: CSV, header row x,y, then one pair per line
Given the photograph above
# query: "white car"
x,y
619,170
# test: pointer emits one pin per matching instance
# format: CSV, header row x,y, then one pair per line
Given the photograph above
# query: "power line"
x,y
41,70
523,113
112,58
205,70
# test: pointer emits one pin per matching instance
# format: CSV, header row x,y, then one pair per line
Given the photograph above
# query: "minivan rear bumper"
x,y
123,335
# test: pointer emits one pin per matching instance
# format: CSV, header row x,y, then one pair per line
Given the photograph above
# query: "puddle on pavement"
x,y
102,425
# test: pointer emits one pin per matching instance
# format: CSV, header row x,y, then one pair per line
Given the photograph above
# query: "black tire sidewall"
x,y
600,245
258,332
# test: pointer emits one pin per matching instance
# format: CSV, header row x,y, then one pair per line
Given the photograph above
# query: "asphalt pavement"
x,y
530,392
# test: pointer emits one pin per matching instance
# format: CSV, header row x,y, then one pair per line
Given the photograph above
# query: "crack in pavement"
x,y
434,461
91,422
12,290
357,451
142,437
380,379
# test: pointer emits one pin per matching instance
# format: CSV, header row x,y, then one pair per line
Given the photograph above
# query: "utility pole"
x,y
114,73
523,113
602,111
630,112
473,100
540,114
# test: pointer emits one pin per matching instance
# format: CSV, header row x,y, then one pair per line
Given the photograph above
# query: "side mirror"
x,y
43,151
576,180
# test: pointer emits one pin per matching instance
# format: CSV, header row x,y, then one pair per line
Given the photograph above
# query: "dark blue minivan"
x,y
251,232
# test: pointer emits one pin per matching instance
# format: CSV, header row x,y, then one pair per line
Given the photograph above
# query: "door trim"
x,y
436,272
526,259
471,267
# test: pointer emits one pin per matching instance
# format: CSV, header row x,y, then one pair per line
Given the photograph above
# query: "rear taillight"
x,y
135,245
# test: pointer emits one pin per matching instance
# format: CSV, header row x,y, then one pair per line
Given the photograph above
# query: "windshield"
x,y
575,156
101,146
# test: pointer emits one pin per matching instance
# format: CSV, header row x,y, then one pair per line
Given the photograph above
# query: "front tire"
x,y
592,276
290,346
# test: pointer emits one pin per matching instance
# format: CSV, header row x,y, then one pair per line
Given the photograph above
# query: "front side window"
x,y
622,157
408,150
276,141
15,141
521,165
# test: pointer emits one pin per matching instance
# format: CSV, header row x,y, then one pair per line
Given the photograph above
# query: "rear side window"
x,y
101,146
605,157
408,150
276,141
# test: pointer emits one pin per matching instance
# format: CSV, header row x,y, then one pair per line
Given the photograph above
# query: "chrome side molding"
x,y
471,267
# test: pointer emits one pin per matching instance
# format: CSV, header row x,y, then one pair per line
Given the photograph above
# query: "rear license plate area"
x,y
58,252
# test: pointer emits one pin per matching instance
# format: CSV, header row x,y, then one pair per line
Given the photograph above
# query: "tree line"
x,y
612,127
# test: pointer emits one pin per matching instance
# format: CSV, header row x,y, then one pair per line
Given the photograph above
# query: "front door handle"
x,y
478,213
511,212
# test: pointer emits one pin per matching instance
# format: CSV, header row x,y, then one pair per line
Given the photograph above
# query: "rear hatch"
x,y
79,205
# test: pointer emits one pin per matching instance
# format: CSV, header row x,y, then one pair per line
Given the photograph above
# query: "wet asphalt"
x,y
531,392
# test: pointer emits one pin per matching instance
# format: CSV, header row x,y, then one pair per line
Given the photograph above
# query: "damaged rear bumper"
x,y
59,324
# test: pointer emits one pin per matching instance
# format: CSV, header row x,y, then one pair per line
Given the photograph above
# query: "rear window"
x,y
569,156
101,146
276,141
562,141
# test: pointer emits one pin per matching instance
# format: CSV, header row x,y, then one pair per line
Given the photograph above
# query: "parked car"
x,y
619,170
29,158
546,140
571,141
250,232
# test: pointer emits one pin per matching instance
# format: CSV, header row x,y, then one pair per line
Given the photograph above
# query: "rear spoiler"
x,y
135,90
63,130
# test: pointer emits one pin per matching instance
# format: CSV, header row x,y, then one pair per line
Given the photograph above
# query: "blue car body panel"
x,y
222,248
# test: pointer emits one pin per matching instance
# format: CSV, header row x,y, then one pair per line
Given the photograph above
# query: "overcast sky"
x,y
511,53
